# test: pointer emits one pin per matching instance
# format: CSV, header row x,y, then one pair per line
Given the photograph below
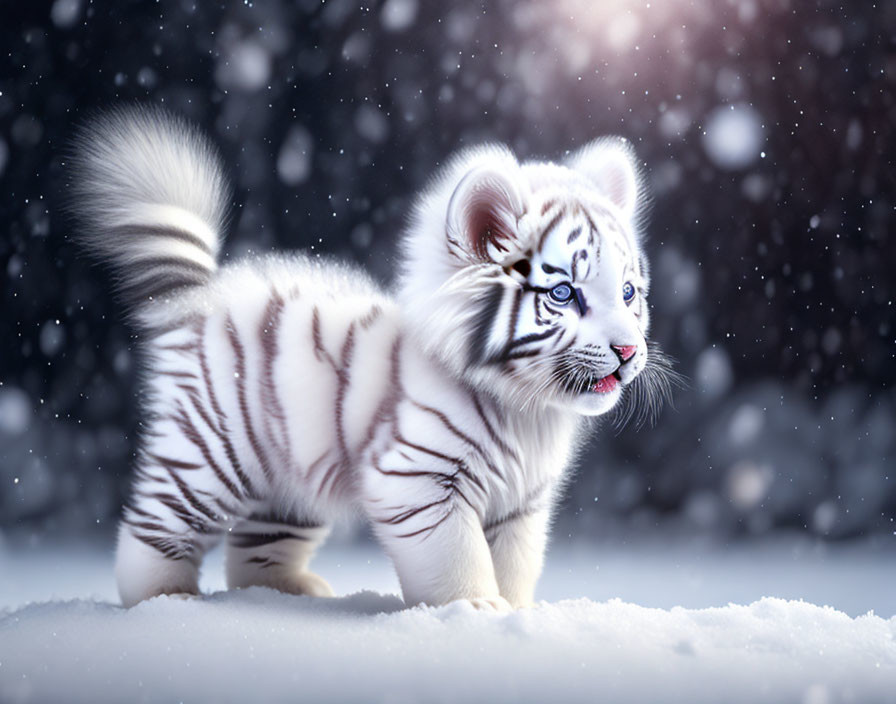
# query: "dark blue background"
x,y
772,280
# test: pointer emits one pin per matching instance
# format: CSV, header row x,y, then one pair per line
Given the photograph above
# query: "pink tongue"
x,y
605,385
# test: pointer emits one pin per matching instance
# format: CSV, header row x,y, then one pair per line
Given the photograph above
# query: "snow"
x,y
362,235
372,124
748,484
294,159
733,136
746,424
398,15
146,77
245,65
365,647
623,31
52,338
582,643
15,411
674,122
357,48
714,375
828,39
64,13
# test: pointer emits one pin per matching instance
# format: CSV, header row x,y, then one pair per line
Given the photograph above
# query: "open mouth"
x,y
583,383
606,384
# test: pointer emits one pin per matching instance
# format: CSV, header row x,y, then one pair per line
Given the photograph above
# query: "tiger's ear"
x,y
484,210
611,166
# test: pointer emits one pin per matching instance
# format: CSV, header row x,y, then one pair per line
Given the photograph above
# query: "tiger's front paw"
x,y
299,583
310,584
523,604
495,603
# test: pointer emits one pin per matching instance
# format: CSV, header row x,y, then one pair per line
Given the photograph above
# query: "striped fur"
x,y
287,391
151,200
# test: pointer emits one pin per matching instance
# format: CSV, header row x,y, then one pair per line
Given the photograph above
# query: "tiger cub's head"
x,y
528,280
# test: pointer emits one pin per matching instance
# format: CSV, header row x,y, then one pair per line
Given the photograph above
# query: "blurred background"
x,y
766,130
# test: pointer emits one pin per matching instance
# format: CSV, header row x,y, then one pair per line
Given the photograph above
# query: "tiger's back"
x,y
290,358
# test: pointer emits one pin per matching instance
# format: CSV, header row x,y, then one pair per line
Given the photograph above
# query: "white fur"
x,y
287,392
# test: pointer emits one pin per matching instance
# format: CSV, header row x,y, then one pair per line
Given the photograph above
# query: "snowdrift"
x,y
260,645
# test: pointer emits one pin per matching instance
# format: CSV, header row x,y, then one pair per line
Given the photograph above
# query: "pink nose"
x,y
625,352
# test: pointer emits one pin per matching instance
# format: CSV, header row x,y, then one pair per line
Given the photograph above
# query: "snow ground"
x,y
679,639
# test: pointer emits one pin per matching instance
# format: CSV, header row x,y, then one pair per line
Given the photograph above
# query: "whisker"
x,y
649,391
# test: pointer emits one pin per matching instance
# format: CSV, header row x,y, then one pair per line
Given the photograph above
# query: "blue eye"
x,y
628,292
561,293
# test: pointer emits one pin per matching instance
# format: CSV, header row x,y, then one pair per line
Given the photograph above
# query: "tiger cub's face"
x,y
580,329
554,276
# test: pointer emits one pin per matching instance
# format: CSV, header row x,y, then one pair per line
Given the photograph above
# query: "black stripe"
x,y
592,231
386,410
458,463
167,462
159,286
512,516
483,321
162,231
146,525
550,226
182,347
511,351
320,351
576,231
580,255
243,399
284,518
375,461
371,316
191,433
256,540
410,513
178,324
463,436
176,374
152,265
515,312
551,269
244,480
429,528
263,562
131,508
178,509
343,375
521,354
492,432
191,498
528,509
170,547
533,337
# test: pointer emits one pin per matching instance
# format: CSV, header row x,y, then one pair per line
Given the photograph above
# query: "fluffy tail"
x,y
151,200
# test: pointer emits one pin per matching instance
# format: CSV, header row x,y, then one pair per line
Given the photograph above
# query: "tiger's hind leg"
x,y
167,527
144,570
274,551
189,487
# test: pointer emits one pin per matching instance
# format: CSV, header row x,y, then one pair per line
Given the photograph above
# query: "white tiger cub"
x,y
285,391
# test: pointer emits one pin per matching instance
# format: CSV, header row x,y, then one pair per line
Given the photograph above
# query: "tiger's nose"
x,y
625,352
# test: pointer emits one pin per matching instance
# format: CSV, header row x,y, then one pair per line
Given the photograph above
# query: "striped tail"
x,y
149,194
